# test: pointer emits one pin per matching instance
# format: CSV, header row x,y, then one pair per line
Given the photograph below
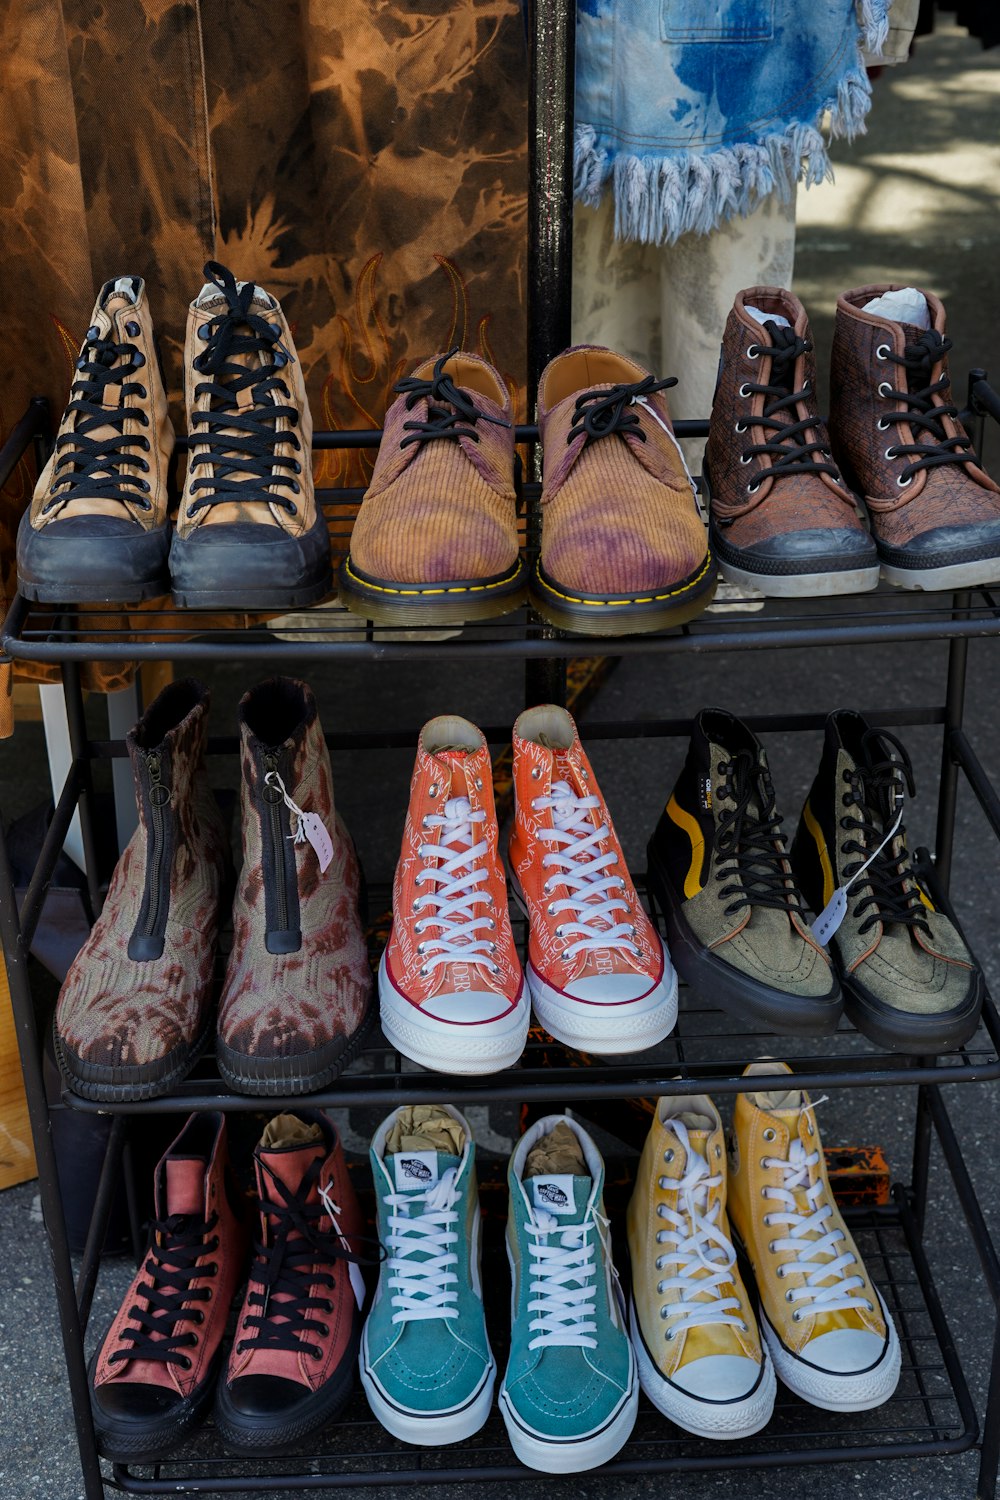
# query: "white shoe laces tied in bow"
x,y
584,872
816,1254
701,1257
420,1266
563,1268
456,878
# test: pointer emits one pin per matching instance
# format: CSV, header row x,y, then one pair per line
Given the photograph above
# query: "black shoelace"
x,y
750,841
171,1265
88,467
920,409
787,447
288,1264
451,412
242,440
890,878
598,414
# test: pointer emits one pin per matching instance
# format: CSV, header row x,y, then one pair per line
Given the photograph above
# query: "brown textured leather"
x,y
618,514
947,495
112,312
747,500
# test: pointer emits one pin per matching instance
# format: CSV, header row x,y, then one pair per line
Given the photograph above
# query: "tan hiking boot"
x,y
935,513
435,541
623,546
782,519
249,534
96,531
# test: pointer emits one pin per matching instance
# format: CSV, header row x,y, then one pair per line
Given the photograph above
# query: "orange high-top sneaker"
x,y
600,976
450,982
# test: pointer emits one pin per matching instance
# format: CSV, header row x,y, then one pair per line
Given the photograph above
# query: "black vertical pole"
x,y
551,51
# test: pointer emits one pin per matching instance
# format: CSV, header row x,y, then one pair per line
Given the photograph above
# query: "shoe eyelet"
x,y
753,488
138,359
292,508
718,1153
746,458
420,947
772,1247
745,391
559,932
789,1295
493,968
882,425
133,330
890,453
882,352
433,789
422,972
663,1182
551,908
780,1273
796,1316
870,1306
668,1156
584,774
564,955
205,331
753,351
536,773
904,484
769,1134
670,1331
491,924
763,1162
479,783
185,1362
740,427
491,947
884,388
764,1192
316,1352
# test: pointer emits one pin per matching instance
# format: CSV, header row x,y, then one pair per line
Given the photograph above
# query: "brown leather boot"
x,y
96,530
291,1367
935,513
249,533
296,994
782,519
153,1376
133,1012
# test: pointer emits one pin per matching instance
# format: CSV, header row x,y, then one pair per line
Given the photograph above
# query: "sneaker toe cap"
x,y
845,1351
718,1377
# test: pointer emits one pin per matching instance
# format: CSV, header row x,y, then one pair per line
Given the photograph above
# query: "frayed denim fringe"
x,y
659,198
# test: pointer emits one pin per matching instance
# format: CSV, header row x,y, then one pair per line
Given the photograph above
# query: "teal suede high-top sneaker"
x,y
570,1394
426,1364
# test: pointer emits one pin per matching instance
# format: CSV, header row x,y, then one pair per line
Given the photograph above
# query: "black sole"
x,y
714,982
914,1035
624,614
256,601
282,1077
72,593
128,1085
451,603
123,1443
250,1438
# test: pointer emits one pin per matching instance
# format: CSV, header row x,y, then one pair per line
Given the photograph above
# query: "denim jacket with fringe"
x,y
695,110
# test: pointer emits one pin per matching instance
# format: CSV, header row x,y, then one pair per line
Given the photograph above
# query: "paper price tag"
x,y
313,828
830,917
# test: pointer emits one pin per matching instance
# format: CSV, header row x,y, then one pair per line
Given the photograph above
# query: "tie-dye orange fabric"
x,y
363,160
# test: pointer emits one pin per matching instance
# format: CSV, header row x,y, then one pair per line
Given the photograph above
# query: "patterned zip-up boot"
x,y
96,531
133,1012
153,1377
295,1001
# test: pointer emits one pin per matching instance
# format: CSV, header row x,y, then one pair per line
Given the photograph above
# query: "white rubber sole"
x,y
804,585
428,1429
551,1456
610,1030
470,1051
832,1392
958,576
721,1422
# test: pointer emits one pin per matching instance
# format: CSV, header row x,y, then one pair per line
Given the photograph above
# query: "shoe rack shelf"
x,y
932,1413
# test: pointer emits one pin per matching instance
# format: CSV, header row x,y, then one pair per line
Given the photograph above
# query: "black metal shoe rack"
x,y
932,1413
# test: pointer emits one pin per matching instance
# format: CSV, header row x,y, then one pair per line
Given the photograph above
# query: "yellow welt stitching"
x,y
617,603
425,593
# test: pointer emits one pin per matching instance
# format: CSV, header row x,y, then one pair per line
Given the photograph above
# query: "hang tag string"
x,y
353,1270
309,826
835,910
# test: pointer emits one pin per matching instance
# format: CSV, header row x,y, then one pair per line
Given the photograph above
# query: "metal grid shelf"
x,y
931,1413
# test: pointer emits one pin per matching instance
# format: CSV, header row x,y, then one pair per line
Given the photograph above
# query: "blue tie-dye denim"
x,y
697,109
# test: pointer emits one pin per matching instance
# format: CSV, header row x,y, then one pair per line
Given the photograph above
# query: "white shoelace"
x,y
587,881
702,1257
563,1268
456,880
420,1274
817,1257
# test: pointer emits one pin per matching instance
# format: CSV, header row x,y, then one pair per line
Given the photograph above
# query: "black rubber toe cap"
x,y
944,545
91,558
824,546
254,559
133,1402
265,1395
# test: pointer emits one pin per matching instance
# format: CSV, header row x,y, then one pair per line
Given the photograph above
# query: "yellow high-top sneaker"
x,y
826,1327
700,1358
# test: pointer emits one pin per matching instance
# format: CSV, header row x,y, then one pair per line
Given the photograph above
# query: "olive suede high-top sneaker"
x,y
291,1366
134,1009
896,433
909,981
96,531
719,871
249,533
153,1375
295,1001
782,519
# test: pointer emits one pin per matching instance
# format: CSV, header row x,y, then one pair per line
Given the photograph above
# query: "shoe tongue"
x,y
288,1148
563,1195
185,1185
908,306
119,294
210,297
418,1171
422,1144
